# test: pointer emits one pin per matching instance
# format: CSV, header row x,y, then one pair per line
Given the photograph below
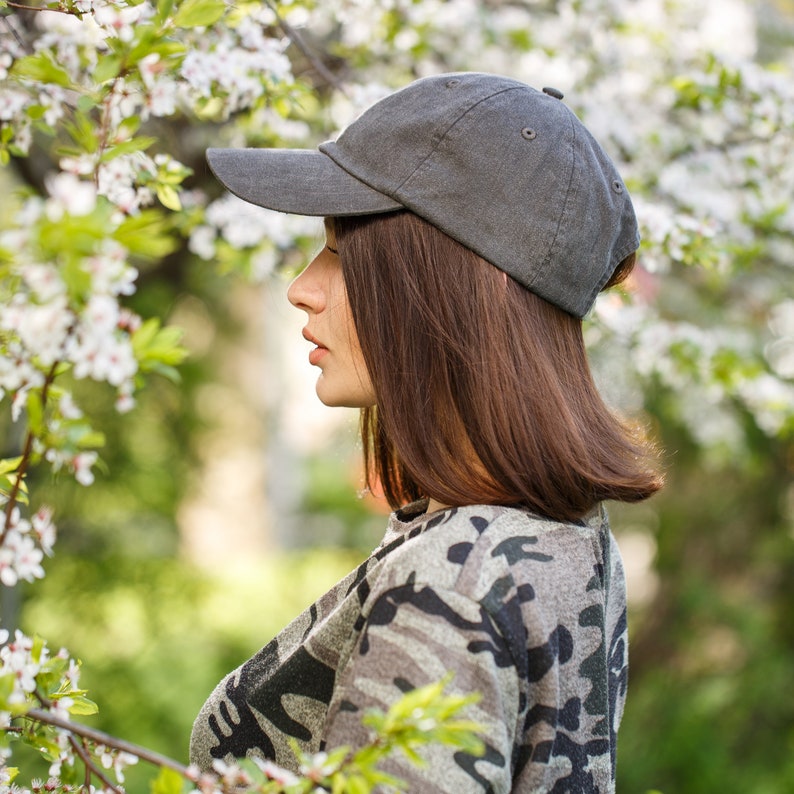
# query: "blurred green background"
x,y
228,502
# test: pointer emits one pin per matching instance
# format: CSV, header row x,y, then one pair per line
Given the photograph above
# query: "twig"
x,y
26,453
15,33
24,7
91,768
298,41
82,750
100,737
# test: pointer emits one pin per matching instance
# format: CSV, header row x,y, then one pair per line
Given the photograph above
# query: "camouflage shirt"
x,y
528,611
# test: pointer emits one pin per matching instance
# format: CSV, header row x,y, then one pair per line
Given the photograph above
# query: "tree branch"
x,y
15,33
23,7
298,41
99,737
91,768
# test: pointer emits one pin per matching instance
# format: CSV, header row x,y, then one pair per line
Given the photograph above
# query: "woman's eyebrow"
x,y
332,250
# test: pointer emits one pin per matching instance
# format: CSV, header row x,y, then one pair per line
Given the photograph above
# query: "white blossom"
x,y
111,758
44,529
82,464
120,20
770,401
12,101
20,557
274,772
5,61
69,194
202,241
42,329
118,181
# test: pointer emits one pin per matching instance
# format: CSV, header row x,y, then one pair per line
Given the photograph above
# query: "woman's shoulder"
x,y
470,549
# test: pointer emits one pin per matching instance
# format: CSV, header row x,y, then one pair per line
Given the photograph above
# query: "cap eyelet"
x,y
528,133
555,92
617,186
452,83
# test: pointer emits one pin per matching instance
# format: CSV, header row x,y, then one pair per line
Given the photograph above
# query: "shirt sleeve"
x,y
414,634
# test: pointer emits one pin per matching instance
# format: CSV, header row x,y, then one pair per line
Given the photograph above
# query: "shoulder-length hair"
x,y
484,392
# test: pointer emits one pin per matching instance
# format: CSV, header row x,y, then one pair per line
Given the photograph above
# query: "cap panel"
x,y
390,140
490,183
598,229
506,170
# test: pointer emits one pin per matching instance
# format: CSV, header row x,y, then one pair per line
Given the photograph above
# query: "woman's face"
x,y
320,291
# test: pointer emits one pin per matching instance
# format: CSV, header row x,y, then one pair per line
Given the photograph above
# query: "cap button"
x,y
555,92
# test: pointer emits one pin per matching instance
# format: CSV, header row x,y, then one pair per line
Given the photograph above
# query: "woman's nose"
x,y
305,292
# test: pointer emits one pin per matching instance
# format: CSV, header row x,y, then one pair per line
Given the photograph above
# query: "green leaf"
x,y
75,277
356,784
9,464
199,13
38,647
35,413
8,483
51,673
168,781
41,69
145,335
164,9
86,103
35,112
91,439
128,147
108,67
157,349
169,197
158,368
339,784
7,682
209,108
47,747
82,706
11,771
129,127
83,132
146,234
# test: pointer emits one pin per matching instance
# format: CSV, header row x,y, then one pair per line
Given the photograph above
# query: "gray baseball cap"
x,y
508,171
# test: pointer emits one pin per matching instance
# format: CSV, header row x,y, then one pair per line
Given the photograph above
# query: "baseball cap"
x,y
507,170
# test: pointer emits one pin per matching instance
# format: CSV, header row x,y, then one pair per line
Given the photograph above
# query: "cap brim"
x,y
299,181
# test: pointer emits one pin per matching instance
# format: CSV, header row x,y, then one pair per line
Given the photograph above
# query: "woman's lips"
x,y
316,355
319,352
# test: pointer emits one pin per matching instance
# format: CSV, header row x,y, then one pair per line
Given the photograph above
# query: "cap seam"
x,y
356,177
449,128
547,258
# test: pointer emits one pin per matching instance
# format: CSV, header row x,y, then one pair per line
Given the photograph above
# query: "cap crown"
x,y
506,170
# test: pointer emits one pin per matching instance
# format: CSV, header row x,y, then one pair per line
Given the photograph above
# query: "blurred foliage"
x,y
711,667
155,635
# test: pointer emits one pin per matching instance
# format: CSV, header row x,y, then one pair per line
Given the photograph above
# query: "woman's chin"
x,y
337,395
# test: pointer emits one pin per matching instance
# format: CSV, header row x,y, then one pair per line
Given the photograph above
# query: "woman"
x,y
470,223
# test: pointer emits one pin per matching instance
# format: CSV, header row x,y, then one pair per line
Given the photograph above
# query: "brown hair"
x,y
484,392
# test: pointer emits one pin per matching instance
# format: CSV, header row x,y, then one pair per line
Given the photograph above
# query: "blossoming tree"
x,y
106,106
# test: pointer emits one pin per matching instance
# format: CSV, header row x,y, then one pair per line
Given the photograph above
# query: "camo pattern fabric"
x,y
527,611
